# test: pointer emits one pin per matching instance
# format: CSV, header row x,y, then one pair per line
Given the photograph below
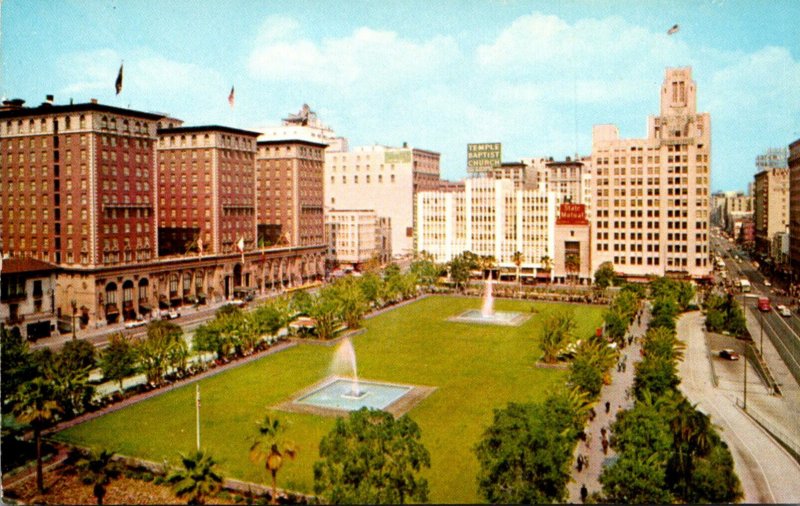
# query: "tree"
x,y
371,458
301,302
78,354
98,469
270,447
518,258
572,265
547,263
198,479
557,330
118,360
325,313
36,405
372,288
592,359
350,300
605,275
426,270
16,361
71,386
635,480
228,310
524,457
158,348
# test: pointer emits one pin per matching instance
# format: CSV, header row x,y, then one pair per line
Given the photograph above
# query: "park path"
x,y
616,394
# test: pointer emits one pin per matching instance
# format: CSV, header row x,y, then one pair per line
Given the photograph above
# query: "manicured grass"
x,y
475,368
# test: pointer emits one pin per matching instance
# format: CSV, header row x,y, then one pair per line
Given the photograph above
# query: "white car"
x,y
135,323
783,310
767,283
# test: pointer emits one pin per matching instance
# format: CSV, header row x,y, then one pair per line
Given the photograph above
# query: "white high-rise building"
x,y
490,217
651,195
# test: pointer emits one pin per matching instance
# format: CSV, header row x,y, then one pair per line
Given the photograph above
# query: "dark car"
x,y
728,355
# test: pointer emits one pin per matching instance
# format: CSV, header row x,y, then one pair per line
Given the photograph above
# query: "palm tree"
x,y
518,258
198,479
270,447
35,405
98,469
546,263
572,264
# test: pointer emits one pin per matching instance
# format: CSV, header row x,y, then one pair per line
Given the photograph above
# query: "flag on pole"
x,y
232,97
240,244
673,30
118,83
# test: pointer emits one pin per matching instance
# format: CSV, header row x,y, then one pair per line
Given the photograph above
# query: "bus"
x,y
744,285
763,304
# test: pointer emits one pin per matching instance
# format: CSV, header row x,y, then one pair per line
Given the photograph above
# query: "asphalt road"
x,y
767,472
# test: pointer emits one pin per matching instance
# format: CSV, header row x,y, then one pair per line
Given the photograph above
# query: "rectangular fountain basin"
x,y
338,394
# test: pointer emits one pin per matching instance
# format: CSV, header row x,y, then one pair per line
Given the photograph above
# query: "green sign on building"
x,y
397,156
483,157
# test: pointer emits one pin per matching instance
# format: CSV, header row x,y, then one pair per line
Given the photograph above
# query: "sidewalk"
x,y
616,395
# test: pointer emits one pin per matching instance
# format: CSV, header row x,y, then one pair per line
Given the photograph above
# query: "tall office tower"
x,y
289,192
206,188
385,180
78,183
771,206
652,195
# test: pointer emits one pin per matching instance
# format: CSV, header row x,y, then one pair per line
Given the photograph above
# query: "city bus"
x,y
744,285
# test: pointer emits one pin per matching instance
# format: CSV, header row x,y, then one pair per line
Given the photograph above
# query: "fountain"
x,y
487,314
345,359
487,309
344,391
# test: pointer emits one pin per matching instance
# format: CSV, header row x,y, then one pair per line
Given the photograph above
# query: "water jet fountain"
x,y
487,314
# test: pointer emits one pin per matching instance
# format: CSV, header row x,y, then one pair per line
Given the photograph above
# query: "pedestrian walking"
x,y
584,493
603,432
580,463
592,414
605,446
588,441
608,406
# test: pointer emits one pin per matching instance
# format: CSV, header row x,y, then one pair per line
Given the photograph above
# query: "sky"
x,y
533,75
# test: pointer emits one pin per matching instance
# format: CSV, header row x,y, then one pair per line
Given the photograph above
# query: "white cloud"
x,y
366,58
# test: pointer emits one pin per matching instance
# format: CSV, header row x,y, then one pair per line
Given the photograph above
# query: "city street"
x,y
767,471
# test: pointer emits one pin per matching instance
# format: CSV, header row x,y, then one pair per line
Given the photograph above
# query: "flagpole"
x,y
197,407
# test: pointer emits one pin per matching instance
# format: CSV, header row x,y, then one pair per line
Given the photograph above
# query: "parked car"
x,y
170,315
767,283
728,354
135,323
784,311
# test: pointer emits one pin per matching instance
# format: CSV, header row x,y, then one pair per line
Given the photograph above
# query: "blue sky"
x,y
533,75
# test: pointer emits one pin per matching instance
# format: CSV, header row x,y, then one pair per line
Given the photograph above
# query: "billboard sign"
x,y
483,157
397,156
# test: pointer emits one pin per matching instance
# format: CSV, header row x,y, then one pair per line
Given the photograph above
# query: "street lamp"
x,y
74,309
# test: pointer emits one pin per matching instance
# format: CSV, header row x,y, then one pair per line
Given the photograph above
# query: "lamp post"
x,y
74,309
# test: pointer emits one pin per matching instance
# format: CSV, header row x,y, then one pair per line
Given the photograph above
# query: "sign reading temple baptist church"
x,y
483,157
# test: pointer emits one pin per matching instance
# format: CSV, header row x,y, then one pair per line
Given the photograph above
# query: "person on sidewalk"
x,y
605,446
580,463
608,406
584,493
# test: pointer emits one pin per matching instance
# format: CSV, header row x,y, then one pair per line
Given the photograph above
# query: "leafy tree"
x,y
605,275
426,271
524,457
228,310
157,351
118,360
98,469
198,479
635,479
684,295
270,447
301,302
269,318
587,370
71,386
16,363
372,288
78,354
371,458
350,300
35,405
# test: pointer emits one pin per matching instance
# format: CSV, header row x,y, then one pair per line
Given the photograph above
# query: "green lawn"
x,y
475,368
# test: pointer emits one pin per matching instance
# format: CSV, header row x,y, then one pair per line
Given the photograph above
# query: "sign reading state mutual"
x,y
483,157
572,214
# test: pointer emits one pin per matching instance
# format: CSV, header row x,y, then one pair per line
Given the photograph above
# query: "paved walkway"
x,y
616,395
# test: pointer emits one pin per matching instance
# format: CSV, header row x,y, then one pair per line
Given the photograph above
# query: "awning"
x,y
112,309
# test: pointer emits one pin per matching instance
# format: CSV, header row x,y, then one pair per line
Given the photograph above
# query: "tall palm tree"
x,y
546,263
198,479
270,447
98,469
35,405
518,258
